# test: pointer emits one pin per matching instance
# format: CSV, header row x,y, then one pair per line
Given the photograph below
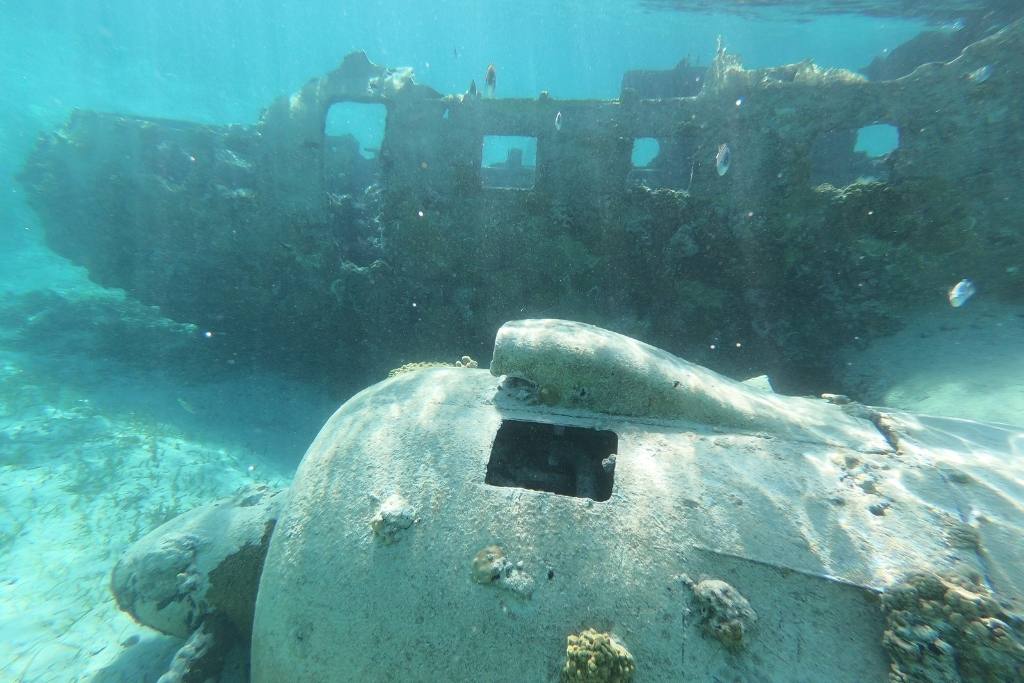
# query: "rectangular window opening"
x,y
359,126
656,163
509,162
843,156
353,136
568,461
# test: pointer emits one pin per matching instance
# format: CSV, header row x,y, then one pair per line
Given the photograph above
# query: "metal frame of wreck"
x,y
769,117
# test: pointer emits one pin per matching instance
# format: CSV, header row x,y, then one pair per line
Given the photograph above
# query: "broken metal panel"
x,y
685,80
119,193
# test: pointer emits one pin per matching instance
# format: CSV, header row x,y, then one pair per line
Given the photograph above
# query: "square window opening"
x,y
568,461
655,164
509,162
843,156
877,140
359,126
353,135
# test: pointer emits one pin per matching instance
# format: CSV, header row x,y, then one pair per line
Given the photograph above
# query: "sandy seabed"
x,y
958,362
94,454
79,484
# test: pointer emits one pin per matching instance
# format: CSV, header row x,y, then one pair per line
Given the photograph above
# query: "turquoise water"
x,y
114,416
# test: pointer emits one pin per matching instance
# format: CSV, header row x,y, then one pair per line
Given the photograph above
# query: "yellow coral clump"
x,y
464,362
415,367
594,657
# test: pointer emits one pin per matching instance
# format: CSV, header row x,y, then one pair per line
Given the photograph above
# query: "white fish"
x,y
723,159
961,292
558,121
981,74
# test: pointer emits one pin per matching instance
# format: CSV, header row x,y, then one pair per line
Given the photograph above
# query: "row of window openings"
x,y
510,161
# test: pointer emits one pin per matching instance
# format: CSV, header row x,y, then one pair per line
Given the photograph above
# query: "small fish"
x,y
558,121
723,159
490,80
472,88
961,292
186,406
981,74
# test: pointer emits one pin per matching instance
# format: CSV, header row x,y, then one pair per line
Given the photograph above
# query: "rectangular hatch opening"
x,y
569,461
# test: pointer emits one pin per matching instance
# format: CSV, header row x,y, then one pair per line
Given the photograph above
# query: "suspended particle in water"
x,y
739,102
961,292
420,213
723,159
980,75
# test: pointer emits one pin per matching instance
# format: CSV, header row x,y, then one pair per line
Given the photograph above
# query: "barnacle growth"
x,y
492,566
725,613
488,563
941,628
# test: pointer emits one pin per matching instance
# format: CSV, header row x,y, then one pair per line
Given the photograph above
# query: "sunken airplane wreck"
x,y
278,241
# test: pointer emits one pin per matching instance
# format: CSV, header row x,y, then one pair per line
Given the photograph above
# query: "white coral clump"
x,y
394,516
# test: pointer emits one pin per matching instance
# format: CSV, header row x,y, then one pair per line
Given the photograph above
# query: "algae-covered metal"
x,y
286,241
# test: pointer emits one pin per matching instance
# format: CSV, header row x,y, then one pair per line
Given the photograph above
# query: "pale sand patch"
x,y
77,486
966,362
